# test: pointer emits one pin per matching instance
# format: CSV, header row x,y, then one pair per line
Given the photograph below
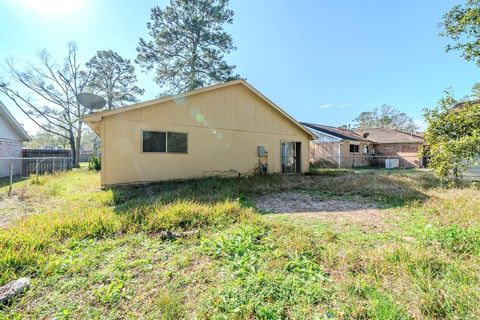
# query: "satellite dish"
x,y
91,101
366,134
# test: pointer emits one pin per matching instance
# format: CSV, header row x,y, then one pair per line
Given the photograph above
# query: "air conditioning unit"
x,y
392,163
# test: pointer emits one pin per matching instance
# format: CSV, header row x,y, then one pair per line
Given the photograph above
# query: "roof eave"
x,y
98,116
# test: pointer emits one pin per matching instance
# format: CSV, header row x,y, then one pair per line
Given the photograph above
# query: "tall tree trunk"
x,y
109,102
73,147
78,142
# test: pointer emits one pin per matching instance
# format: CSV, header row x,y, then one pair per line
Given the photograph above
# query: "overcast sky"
x,y
321,61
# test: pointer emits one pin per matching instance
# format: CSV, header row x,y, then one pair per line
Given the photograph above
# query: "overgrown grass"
x,y
103,254
25,246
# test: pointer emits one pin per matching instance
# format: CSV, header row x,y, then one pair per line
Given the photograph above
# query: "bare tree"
x,y
46,93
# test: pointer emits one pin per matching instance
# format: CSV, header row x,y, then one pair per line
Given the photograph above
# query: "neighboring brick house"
x,y
397,144
346,148
12,135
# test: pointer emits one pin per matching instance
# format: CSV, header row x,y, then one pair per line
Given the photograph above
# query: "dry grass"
x,y
99,254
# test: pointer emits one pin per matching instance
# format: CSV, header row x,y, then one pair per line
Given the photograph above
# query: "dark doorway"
x,y
291,157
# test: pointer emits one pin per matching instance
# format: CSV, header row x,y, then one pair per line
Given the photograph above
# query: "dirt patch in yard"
x,y
17,206
12,208
341,214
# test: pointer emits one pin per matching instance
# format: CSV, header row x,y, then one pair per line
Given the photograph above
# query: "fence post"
x,y
36,167
11,178
53,165
389,164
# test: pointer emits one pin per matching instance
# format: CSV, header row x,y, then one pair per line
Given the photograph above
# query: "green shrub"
x,y
95,163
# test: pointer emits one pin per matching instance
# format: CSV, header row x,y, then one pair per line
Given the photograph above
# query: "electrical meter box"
x,y
262,152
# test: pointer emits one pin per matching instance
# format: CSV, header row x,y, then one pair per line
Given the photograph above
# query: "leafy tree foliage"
x,y
385,116
462,25
188,44
114,78
453,136
476,91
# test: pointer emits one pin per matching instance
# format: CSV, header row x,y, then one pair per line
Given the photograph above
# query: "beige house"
x,y
227,129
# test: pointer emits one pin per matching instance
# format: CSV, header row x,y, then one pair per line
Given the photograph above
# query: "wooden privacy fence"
x,y
39,161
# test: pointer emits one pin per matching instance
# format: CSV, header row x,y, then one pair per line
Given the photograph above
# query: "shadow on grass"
x,y
387,190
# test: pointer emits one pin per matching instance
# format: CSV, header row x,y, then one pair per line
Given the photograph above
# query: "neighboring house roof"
x,y
376,135
385,135
97,116
13,123
341,133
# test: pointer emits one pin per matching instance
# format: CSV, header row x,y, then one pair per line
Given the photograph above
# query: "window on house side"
x,y
154,141
176,142
161,141
354,148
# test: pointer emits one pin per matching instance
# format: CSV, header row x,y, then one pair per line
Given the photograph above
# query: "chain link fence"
x,y
371,161
11,168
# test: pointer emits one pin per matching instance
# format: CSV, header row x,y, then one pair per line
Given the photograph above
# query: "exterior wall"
x,y
324,154
7,132
355,159
10,146
337,154
224,128
10,149
406,152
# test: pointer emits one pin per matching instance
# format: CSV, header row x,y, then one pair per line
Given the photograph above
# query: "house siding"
x,y
224,128
10,149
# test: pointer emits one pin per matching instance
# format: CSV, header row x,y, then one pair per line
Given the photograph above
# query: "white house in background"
x,y
12,135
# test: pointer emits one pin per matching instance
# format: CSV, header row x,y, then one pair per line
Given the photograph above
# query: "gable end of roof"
x,y
14,123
